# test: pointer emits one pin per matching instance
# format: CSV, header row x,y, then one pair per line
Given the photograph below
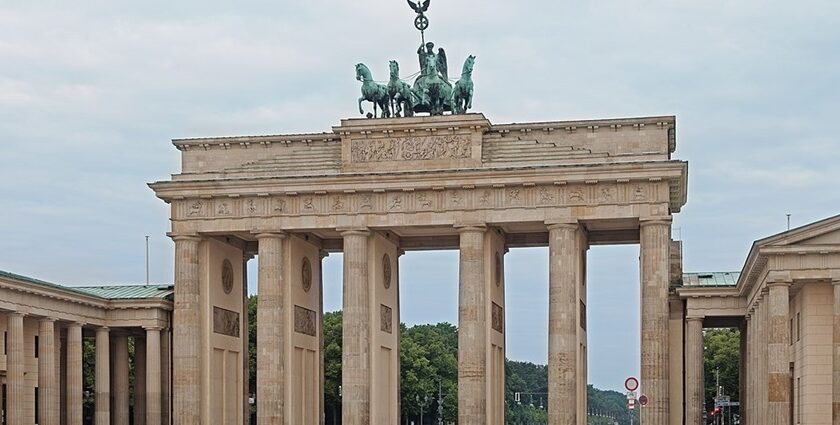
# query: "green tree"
x,y
722,354
332,366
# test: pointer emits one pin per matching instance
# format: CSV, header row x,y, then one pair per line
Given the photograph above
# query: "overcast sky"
x,y
91,92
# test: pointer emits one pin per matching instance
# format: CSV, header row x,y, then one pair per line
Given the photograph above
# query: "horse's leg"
x,y
374,109
361,111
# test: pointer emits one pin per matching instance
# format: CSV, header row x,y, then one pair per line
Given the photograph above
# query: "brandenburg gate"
x,y
374,188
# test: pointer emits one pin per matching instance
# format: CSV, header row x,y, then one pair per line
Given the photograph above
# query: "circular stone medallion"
x,y
227,276
386,271
306,275
498,272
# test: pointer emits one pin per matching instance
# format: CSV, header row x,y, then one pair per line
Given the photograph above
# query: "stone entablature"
x,y
461,142
71,306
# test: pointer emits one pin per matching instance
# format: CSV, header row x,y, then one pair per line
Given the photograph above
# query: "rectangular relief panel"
x,y
225,322
305,321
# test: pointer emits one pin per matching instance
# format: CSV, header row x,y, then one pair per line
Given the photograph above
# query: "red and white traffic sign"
x,y
631,383
643,400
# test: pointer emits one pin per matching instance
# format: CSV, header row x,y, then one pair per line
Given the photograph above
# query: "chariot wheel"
x,y
421,22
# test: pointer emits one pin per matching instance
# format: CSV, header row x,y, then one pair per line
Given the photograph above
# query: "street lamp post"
x,y
422,405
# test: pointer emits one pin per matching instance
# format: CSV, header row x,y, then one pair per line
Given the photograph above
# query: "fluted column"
x,y
187,333
835,398
74,374
271,329
750,367
165,376
103,377
778,359
15,370
152,390
47,379
120,390
762,358
564,258
140,381
694,371
472,328
355,355
655,243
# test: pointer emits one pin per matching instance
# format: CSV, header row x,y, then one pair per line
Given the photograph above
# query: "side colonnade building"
x,y
44,327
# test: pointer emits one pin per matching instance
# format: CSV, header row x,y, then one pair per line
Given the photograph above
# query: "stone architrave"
x,y
654,246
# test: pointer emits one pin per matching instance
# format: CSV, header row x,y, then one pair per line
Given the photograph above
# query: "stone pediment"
x,y
823,232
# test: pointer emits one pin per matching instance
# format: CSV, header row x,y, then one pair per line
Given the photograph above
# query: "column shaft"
x,y
472,328
564,258
655,243
120,390
15,371
778,368
187,333
355,355
165,376
835,399
140,381
271,335
74,374
153,411
103,378
47,379
694,371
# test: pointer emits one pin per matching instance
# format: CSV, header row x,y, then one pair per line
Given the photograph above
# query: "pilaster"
x,y
835,381
778,359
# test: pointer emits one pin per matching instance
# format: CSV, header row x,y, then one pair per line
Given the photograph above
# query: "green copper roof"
x,y
127,292
711,279
108,292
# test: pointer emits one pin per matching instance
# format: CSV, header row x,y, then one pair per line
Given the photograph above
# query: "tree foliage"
x,y
722,355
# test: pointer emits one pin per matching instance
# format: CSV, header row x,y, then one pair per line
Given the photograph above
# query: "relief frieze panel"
x,y
225,322
417,148
305,321
436,199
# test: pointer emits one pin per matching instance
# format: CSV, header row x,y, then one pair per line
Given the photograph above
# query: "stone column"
x,y
187,333
472,328
564,258
748,362
694,371
655,238
103,377
153,398
835,398
47,379
165,376
778,359
762,358
15,370
74,374
355,355
140,381
120,390
271,331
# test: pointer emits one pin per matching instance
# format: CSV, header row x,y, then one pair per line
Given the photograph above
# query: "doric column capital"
x,y
778,284
695,319
153,328
779,276
16,314
265,234
192,237
47,319
570,225
353,231
471,227
655,221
